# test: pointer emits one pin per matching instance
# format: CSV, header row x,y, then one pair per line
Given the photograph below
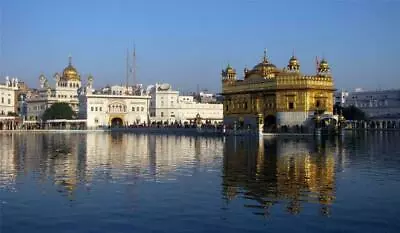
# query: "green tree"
x,y
351,112
59,111
12,114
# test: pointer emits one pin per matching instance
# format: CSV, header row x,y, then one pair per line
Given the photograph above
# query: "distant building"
x,y
9,97
9,108
207,97
114,106
340,97
65,90
167,105
380,104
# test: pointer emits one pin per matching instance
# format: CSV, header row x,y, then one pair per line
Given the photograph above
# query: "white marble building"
x,y
65,90
112,106
167,105
8,95
385,103
340,97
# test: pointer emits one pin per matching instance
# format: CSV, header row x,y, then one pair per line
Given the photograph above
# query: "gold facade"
x,y
267,90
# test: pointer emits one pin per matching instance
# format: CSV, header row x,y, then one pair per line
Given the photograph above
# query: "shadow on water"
x,y
286,172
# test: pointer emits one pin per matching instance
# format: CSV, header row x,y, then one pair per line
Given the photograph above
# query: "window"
x,y
100,109
2,100
291,105
96,109
162,114
137,109
133,109
142,109
9,101
92,109
318,104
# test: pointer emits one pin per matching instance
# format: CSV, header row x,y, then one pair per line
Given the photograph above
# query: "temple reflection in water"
x,y
291,175
282,172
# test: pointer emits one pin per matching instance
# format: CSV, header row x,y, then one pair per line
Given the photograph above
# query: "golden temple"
x,y
271,97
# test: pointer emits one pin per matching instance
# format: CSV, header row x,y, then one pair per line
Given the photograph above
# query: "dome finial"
x,y
293,52
70,59
265,54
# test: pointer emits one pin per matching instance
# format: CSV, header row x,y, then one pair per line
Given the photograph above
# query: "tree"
x,y
351,112
12,114
59,111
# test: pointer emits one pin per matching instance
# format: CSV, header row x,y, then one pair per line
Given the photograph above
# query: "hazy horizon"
x,y
187,43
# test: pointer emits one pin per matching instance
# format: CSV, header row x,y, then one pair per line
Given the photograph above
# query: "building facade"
x,y
65,90
167,105
276,97
376,104
108,108
9,97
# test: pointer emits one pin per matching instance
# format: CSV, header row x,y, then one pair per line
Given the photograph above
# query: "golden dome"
x,y
70,73
264,65
293,61
294,64
323,67
229,70
324,64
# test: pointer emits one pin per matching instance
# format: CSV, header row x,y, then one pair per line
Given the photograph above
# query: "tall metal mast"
x,y
127,69
134,65
1,39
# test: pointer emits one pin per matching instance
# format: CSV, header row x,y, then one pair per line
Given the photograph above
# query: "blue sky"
x,y
187,42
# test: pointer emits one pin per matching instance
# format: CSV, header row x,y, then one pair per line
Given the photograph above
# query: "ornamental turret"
x,y
323,68
294,64
229,74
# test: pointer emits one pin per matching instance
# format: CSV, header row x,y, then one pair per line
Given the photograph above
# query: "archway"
x,y
269,123
116,122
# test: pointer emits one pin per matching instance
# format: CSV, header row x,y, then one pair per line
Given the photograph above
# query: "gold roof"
x,y
229,70
264,65
70,73
293,61
324,64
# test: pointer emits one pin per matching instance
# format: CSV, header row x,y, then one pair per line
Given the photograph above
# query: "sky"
x,y
187,42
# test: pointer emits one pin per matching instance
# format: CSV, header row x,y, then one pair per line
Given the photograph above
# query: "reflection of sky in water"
x,y
106,180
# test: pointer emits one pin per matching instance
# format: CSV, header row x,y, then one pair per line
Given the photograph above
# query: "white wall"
x,y
167,105
7,99
100,109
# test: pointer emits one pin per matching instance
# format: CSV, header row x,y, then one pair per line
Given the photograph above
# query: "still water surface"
x,y
102,182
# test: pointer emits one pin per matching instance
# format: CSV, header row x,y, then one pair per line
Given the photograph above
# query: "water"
x,y
101,182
